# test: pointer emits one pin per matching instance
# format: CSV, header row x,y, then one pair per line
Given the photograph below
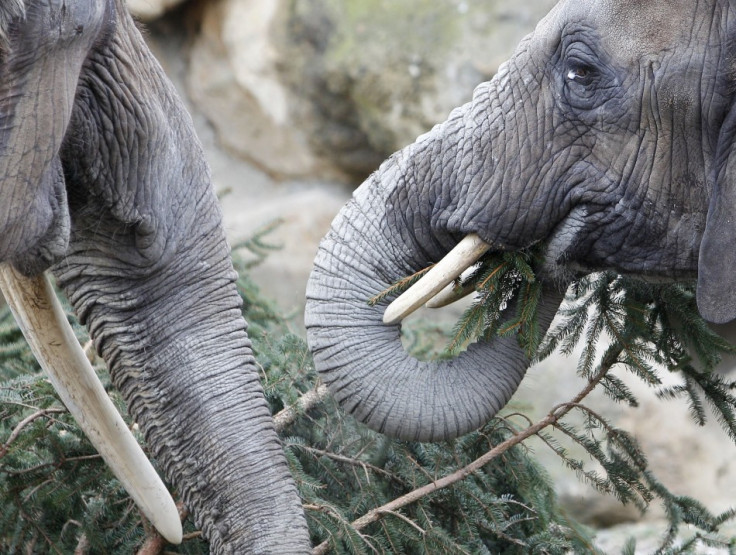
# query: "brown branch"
x,y
155,543
22,424
307,401
482,284
556,414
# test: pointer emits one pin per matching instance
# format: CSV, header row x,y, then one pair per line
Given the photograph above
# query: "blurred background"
x,y
297,101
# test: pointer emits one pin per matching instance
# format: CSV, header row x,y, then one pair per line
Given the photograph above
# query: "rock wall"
x,y
328,88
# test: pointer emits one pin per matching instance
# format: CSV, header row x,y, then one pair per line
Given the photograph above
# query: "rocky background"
x,y
296,101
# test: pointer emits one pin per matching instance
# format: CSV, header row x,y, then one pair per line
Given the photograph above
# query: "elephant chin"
x,y
54,242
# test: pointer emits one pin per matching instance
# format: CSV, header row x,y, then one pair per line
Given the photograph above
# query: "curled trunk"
x,y
391,229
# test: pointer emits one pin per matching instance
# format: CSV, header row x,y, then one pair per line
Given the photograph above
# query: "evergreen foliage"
x,y
365,493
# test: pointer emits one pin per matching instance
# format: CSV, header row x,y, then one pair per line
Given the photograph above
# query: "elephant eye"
x,y
580,73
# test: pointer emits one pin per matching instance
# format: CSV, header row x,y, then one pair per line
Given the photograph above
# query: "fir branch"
x,y
399,286
307,401
257,245
351,461
52,464
556,414
405,519
22,424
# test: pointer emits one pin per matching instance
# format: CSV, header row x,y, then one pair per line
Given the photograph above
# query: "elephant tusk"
x,y
450,294
42,320
465,254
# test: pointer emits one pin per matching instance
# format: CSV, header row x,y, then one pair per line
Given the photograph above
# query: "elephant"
x,y
605,141
106,186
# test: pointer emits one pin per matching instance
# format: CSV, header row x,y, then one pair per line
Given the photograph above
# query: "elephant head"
x,y
105,182
606,139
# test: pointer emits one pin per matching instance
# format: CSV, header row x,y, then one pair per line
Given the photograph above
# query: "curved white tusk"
x,y
450,294
459,259
42,320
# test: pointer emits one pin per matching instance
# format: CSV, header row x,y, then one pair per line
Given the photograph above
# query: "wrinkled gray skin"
x,y
607,136
104,178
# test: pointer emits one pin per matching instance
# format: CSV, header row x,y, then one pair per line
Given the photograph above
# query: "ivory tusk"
x,y
459,259
450,294
42,320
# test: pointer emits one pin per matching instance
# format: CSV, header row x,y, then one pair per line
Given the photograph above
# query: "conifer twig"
x,y
409,521
55,464
155,543
289,414
22,424
400,286
556,414
351,461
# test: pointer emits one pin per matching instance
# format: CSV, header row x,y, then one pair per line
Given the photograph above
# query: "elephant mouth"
x,y
572,252
41,252
561,261
566,259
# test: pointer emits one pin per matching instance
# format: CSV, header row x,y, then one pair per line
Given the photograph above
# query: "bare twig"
x,y
310,399
155,543
22,424
556,414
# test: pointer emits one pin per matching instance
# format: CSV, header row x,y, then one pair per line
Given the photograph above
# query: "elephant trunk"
x,y
177,349
398,222
148,271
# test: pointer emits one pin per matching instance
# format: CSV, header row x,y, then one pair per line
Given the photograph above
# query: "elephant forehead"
x,y
637,28
632,29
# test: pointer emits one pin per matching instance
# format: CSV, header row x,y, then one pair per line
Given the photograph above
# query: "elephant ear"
x,y
716,294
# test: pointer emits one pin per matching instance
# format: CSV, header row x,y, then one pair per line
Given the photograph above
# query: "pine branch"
x,y
554,416
400,286
22,424
53,464
351,461
307,401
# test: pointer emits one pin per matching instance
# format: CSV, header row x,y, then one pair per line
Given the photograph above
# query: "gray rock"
x,y
234,81
330,88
